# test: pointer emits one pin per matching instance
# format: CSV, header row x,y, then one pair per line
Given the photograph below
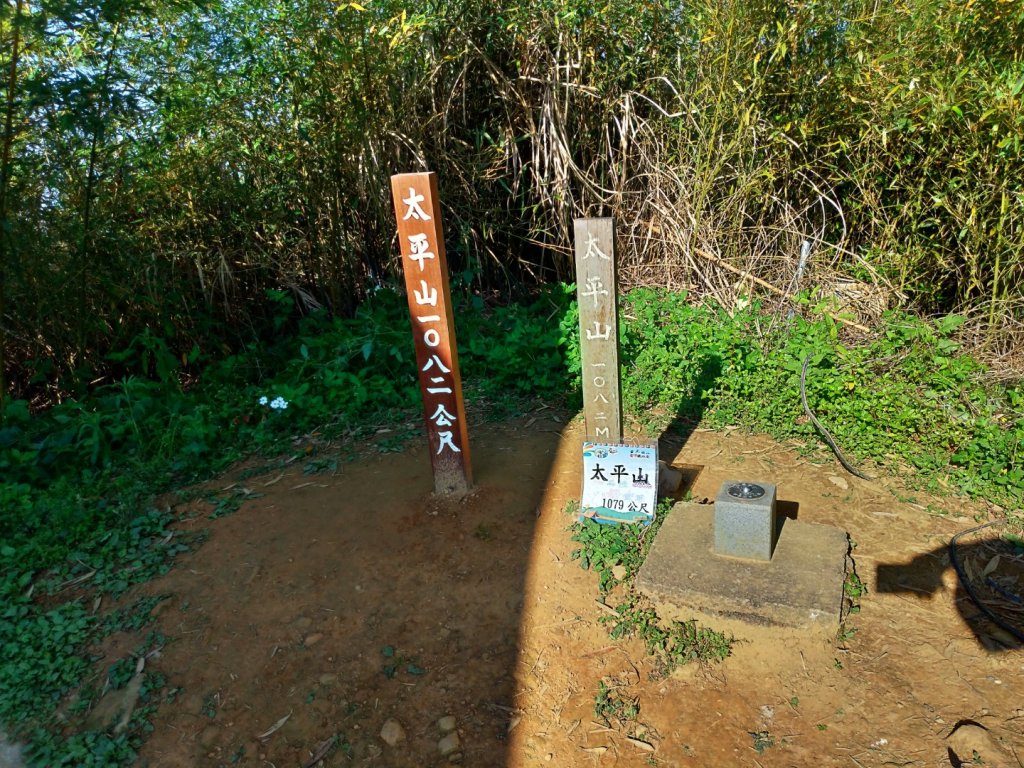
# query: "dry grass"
x,y
710,204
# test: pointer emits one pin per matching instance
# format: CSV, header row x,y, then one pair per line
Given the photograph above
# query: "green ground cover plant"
x,y
152,191
907,399
671,643
78,480
610,705
615,553
194,216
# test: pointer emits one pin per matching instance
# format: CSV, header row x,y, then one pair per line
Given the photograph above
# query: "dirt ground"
x,y
344,607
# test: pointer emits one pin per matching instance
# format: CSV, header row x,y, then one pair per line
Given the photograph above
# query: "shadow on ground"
x,y
688,414
988,594
343,610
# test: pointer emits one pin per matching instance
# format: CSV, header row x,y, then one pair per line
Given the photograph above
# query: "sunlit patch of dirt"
x,y
340,617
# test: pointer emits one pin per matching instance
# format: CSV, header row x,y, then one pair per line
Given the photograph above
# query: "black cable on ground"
x,y
824,432
1016,633
1013,598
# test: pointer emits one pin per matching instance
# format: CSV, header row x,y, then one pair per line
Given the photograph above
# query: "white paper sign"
x,y
620,482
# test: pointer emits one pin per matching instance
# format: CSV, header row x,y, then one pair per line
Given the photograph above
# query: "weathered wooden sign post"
x,y
599,334
620,480
418,213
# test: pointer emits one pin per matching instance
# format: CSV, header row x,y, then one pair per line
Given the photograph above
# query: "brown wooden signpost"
x,y
599,331
418,213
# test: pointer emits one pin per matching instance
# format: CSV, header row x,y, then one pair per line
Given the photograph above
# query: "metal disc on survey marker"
x,y
746,491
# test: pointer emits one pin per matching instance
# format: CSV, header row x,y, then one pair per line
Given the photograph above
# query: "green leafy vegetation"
x,y
763,740
673,643
79,478
396,662
610,706
908,399
195,226
164,167
615,553
853,590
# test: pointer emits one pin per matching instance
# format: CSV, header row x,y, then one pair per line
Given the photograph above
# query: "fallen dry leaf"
x,y
646,746
266,734
324,747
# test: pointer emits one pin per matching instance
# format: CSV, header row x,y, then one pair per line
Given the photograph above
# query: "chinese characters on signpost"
x,y
418,213
599,331
620,482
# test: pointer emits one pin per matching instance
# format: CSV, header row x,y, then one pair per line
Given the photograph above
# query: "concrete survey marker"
x,y
801,586
745,520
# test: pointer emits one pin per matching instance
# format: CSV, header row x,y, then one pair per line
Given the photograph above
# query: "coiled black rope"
x,y
824,432
966,584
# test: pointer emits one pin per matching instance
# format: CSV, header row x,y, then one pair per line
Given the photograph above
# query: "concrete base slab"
x,y
800,587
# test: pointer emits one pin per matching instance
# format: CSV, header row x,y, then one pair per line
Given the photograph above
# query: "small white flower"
x,y
263,400
278,403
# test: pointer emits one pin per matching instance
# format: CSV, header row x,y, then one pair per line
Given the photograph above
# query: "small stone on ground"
x,y
839,482
392,733
449,745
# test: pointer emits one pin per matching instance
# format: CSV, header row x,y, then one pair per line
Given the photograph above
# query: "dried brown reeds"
x,y
709,196
854,156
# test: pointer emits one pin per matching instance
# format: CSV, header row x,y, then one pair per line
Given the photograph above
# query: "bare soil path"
x,y
338,602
